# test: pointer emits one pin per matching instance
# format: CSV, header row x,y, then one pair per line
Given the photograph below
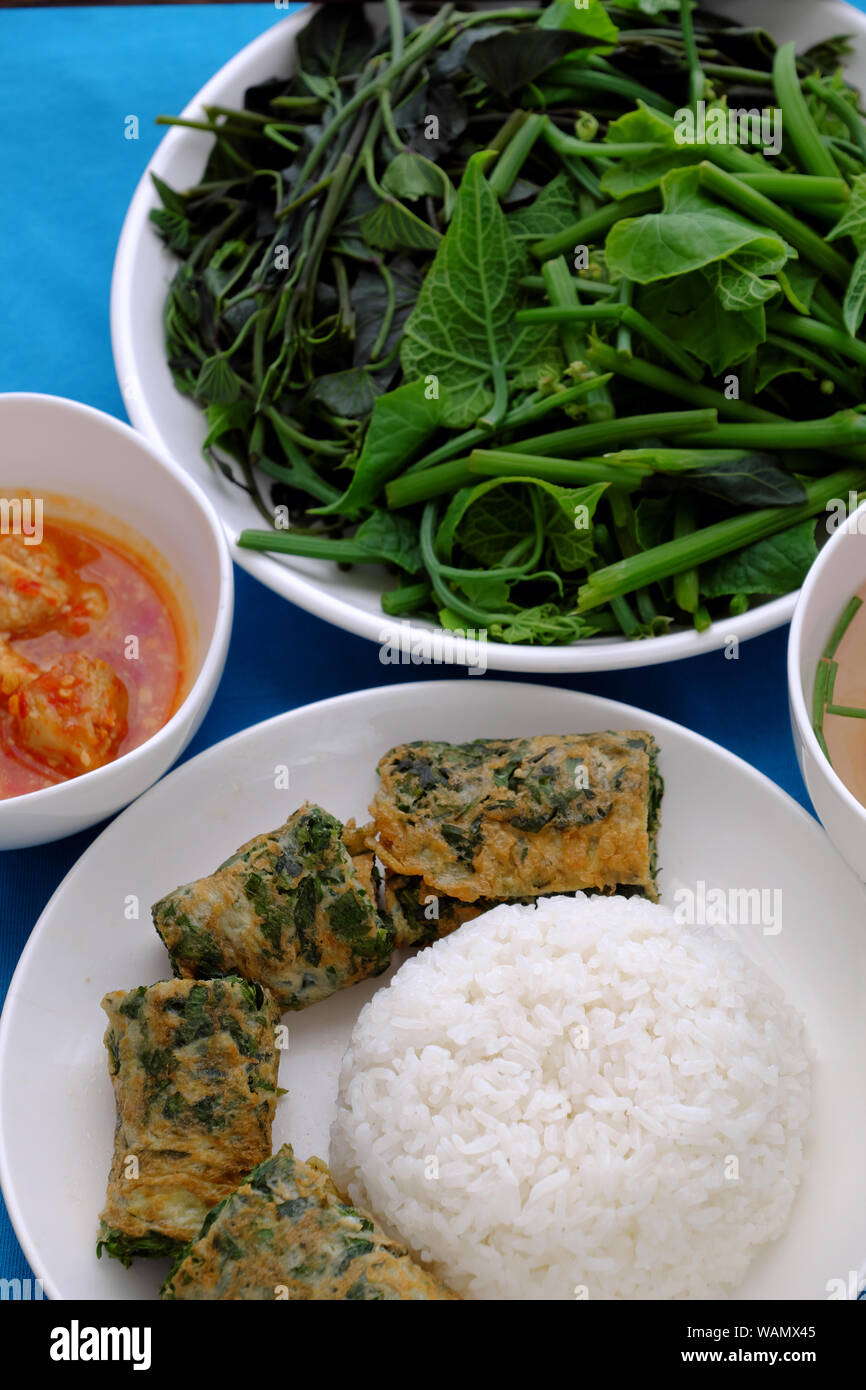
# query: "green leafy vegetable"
x,y
555,208
462,330
777,565
392,226
401,422
854,306
393,538
691,232
589,19
752,480
852,223
411,176
505,61
689,310
454,299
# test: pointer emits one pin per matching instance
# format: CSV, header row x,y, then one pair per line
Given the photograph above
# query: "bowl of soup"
x,y
116,598
827,687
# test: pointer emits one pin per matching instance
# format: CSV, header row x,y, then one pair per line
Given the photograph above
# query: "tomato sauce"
x,y
133,625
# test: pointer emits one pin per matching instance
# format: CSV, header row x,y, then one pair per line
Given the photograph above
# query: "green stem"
x,y
730,157
687,589
623,314
312,192
433,482
845,428
632,320
499,463
251,117
800,128
390,306
607,434
762,210
516,418
448,599
697,80
658,460
584,79
595,149
303,104
846,618
506,132
387,113
822,365
841,108
409,599
753,76
395,22
327,217
709,543
832,339
493,417
343,552
596,225
515,154
703,620
620,607
622,514
562,291
596,289
295,436
826,307
846,154
420,44
605,359
272,132
211,127
467,19
300,477
805,190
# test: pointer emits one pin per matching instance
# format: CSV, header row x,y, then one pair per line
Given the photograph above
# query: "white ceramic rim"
x,y
627,716
797,695
593,655
213,657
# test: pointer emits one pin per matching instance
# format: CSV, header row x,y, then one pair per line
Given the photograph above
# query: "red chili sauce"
x,y
93,600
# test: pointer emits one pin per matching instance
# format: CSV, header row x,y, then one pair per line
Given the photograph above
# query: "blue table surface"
x,y
68,80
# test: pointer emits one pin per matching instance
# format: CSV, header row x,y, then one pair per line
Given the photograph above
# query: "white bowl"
x,y
837,574
351,599
61,448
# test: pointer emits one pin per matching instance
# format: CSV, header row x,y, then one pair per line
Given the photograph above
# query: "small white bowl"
x,y
837,574
59,448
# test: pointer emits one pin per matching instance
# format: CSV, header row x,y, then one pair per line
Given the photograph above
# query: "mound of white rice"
x,y
577,1099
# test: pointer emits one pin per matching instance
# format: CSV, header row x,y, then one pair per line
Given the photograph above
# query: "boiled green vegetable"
x,y
459,299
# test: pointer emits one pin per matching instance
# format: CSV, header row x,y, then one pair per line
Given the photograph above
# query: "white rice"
x,y
577,1099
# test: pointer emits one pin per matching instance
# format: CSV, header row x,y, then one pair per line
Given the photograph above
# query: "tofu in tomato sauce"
x,y
92,653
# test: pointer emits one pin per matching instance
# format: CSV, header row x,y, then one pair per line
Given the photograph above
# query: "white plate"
x,y
351,600
723,823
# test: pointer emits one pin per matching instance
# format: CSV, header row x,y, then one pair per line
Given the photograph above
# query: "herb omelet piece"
x,y
420,915
194,1070
517,818
287,1233
291,909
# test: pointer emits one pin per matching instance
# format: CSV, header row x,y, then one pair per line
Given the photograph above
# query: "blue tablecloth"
x,y
68,80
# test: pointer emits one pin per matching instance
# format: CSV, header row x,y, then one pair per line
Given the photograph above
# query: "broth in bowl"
x,y
840,697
